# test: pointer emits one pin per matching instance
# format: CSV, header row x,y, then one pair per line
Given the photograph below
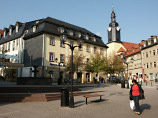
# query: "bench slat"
x,y
93,95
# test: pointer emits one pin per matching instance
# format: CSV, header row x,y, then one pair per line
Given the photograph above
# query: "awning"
x,y
8,56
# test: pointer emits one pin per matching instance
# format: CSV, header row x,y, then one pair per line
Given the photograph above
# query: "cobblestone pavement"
x,y
115,104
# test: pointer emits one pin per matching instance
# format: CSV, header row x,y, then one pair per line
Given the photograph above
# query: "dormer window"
x,y
34,28
4,34
37,22
78,34
149,42
17,28
70,32
93,39
86,37
10,31
60,29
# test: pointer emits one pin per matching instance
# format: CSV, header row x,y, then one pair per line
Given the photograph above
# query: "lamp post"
x,y
80,42
125,62
59,79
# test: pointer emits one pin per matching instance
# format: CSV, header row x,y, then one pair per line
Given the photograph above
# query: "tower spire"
x,y
114,29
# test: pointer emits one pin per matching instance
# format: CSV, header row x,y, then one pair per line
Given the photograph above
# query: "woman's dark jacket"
x,y
140,90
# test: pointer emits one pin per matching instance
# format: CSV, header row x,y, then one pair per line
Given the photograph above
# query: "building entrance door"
x,y
79,77
151,76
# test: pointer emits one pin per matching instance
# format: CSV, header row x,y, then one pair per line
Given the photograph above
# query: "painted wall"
x,y
113,48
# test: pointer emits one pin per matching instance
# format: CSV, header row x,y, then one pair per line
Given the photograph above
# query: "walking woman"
x,y
135,94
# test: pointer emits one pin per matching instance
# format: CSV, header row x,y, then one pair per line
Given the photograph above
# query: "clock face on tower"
x,y
117,28
109,29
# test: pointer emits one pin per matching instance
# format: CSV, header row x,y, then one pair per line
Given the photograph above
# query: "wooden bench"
x,y
93,95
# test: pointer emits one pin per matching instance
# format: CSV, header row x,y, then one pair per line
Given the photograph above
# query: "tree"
x,y
118,64
97,64
115,64
78,64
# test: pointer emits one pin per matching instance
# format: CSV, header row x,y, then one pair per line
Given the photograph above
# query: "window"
x,y
144,65
52,41
95,50
157,51
88,48
17,28
8,46
62,58
13,45
101,51
150,53
146,54
34,28
62,44
87,60
151,76
10,31
70,32
17,42
150,64
152,41
146,43
60,29
154,64
86,37
51,56
147,65
143,55
140,65
154,52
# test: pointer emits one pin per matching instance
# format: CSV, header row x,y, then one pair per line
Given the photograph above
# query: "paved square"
x,y
115,104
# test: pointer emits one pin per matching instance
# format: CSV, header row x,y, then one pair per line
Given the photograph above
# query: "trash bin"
x,y
64,97
122,83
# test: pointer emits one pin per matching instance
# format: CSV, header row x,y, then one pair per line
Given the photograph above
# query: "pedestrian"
x,y
135,94
96,79
100,80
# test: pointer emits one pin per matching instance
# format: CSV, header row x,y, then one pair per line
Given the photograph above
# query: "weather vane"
x,y
113,7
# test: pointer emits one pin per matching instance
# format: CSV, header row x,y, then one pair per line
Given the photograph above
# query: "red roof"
x,y
1,32
121,50
131,48
128,45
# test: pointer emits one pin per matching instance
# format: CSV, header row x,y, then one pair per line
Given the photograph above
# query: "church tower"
x,y
114,29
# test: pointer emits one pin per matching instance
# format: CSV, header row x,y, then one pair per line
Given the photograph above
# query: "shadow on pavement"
x,y
98,100
144,106
79,103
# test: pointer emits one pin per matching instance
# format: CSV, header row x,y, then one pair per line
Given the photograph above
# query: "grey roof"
x,y
15,35
50,25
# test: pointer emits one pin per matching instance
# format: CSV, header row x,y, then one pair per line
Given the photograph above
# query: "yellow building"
x,y
150,59
44,49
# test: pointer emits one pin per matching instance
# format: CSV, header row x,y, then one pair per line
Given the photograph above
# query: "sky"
x,y
138,19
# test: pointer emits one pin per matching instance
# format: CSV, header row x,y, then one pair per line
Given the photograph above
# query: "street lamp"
x,y
125,62
80,42
59,79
